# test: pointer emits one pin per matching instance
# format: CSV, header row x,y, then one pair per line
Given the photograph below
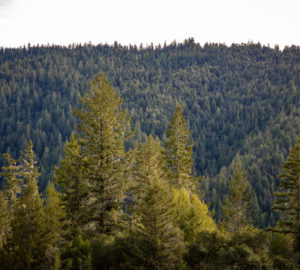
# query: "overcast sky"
x,y
65,22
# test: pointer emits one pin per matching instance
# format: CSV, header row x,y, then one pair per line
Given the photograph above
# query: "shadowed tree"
x,y
288,197
237,206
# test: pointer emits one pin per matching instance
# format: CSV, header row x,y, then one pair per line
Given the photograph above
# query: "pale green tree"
x,y
192,214
149,160
26,246
12,182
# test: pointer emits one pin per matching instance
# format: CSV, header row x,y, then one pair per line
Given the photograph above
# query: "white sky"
x,y
65,22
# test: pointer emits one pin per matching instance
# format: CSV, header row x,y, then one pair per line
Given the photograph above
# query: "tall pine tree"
x,y
158,242
179,150
101,133
27,245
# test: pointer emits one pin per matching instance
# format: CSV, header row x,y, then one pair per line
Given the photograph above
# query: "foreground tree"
x,y
73,185
158,243
237,207
192,215
101,132
28,224
4,221
244,251
13,183
179,150
288,197
149,160
35,226
54,215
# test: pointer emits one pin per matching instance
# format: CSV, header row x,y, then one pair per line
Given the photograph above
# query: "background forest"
x,y
240,102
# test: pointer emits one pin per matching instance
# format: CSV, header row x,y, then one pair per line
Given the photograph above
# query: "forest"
x,y
235,110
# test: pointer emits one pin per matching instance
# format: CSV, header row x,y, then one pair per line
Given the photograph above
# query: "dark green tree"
x,y
4,220
288,197
244,251
287,200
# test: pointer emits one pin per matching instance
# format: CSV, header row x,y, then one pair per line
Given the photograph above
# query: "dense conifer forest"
x,y
164,151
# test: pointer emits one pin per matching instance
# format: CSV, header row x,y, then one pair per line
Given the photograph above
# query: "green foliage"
x,y
105,252
239,98
28,224
33,230
4,219
247,250
179,150
54,221
192,215
148,161
281,252
249,105
159,243
78,254
204,252
102,129
12,187
72,183
237,207
288,198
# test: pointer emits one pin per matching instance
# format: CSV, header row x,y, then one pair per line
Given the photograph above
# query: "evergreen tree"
x,y
73,185
26,245
192,215
78,254
4,220
101,132
288,197
237,206
158,242
12,186
149,160
70,177
54,223
179,150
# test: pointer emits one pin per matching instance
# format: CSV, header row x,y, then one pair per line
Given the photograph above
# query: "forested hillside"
x,y
241,102
137,208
